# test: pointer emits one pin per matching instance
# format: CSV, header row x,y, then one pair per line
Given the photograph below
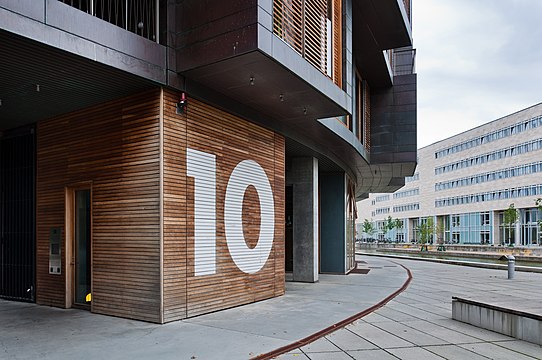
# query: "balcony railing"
x,y
312,28
137,16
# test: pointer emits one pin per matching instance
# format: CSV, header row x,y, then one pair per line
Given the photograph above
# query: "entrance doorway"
x,y
79,246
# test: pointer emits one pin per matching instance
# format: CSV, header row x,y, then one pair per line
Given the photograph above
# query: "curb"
x,y
457,262
326,331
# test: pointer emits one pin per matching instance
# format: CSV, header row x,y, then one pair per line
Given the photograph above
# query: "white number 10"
x,y
202,167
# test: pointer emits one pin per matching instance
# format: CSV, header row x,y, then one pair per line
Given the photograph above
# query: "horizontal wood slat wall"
x,y
231,140
175,233
116,147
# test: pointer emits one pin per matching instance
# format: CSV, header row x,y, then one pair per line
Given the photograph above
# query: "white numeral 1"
x,y
202,167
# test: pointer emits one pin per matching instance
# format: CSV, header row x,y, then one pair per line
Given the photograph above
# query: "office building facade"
x,y
162,159
466,182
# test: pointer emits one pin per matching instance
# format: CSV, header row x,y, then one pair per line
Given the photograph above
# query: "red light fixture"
x,y
181,105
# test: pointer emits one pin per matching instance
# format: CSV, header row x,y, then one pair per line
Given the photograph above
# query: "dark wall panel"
x,y
17,221
393,122
332,223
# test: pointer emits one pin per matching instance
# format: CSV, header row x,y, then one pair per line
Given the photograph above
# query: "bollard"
x,y
511,266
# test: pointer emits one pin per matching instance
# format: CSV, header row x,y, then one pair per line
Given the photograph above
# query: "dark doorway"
x,y
289,234
17,219
82,248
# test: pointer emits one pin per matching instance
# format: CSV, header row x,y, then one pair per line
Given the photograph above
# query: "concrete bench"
x,y
510,318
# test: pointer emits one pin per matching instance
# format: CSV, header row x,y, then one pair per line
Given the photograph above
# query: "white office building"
x,y
465,183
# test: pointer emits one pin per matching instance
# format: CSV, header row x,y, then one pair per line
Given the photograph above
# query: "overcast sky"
x,y
477,60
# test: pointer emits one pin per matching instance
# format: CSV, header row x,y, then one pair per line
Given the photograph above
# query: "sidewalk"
x,y
29,331
415,325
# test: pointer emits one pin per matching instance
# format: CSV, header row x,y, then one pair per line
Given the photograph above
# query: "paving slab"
x,y
441,332
454,352
371,355
330,356
410,334
414,353
376,317
346,340
473,331
294,356
320,345
377,336
496,352
522,347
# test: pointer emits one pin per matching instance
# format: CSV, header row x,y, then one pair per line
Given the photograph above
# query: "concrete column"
x,y
303,175
495,228
521,219
517,235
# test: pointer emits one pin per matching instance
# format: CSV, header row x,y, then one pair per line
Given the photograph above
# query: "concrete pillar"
x,y
518,235
495,233
303,175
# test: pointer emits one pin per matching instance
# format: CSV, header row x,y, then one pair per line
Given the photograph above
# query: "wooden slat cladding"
x,y
337,43
315,31
303,24
116,148
175,217
288,22
227,140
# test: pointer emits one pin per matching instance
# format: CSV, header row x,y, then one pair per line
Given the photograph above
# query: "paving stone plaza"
x,y
417,324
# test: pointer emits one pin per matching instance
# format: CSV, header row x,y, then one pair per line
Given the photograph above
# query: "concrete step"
x,y
506,315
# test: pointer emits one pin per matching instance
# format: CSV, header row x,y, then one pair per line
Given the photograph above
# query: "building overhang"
x,y
268,87
55,58
386,20
378,25
40,81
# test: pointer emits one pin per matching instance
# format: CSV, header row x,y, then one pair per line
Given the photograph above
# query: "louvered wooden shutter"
x,y
288,22
337,42
315,33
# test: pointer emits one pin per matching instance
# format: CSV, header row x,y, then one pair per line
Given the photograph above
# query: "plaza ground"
x,y
416,324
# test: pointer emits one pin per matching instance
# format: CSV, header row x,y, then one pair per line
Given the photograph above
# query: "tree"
x,y
389,225
511,216
398,224
368,228
426,230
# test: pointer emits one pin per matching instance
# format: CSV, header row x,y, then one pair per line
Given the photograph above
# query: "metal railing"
x,y
137,16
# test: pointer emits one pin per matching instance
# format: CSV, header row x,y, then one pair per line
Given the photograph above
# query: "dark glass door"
x,y
82,248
